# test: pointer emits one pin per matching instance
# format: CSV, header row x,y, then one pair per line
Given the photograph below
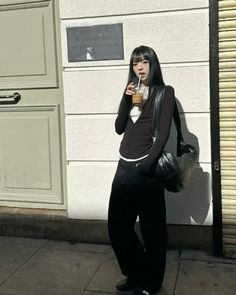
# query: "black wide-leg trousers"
x,y
135,196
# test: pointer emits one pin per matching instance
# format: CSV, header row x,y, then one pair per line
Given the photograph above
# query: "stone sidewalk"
x,y
43,267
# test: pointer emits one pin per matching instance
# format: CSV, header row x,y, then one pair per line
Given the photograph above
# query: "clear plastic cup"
x,y
137,97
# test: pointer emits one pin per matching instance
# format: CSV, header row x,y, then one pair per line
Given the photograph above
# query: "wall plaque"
x,y
91,43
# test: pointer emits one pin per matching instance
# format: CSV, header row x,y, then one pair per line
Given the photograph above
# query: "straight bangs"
x,y
139,55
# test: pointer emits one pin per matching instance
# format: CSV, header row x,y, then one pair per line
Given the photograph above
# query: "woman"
x,y
136,192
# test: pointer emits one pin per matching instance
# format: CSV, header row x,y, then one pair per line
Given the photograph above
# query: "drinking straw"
x,y
139,82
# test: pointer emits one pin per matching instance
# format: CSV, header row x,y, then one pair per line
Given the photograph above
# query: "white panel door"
x,y
32,161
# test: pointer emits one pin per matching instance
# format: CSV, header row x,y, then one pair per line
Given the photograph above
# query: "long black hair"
x,y
145,52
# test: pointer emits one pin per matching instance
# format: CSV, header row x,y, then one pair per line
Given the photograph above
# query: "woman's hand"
x,y
130,89
143,169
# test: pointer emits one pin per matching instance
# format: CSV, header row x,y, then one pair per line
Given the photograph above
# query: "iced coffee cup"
x,y
137,97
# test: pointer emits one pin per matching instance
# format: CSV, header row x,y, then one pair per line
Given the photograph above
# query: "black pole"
x,y
215,136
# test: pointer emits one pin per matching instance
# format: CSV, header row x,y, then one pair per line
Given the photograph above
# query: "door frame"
x,y
215,128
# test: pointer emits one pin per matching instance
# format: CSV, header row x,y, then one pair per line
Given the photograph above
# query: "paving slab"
x,y
14,252
79,247
54,272
204,256
42,267
206,278
108,274
171,273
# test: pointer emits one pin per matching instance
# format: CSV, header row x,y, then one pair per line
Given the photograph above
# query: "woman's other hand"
x,y
143,169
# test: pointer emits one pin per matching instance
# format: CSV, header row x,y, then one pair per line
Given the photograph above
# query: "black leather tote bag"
x,y
174,172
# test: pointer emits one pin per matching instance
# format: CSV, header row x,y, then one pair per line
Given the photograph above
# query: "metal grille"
x,y
227,85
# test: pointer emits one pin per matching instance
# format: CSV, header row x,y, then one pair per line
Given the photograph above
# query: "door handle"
x,y
10,99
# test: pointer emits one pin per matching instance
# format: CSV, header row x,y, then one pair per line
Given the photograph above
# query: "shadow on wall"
x,y
191,206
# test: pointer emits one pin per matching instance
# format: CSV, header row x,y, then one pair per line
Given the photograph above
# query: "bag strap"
x,y
160,93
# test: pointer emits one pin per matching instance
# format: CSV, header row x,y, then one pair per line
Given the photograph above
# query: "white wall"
x,y
178,31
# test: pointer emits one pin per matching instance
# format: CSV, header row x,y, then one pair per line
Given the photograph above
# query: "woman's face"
x,y
141,68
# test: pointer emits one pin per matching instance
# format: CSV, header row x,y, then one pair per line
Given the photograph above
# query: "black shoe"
x,y
139,291
126,285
